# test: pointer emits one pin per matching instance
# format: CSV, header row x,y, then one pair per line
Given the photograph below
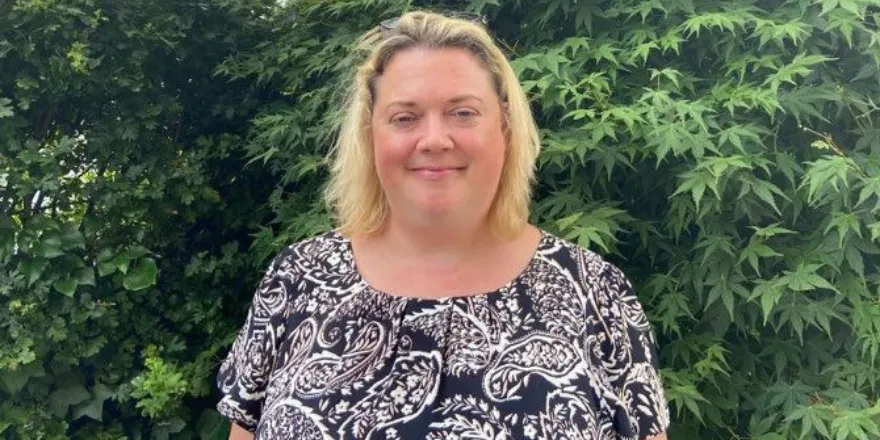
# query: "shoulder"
x,y
602,288
610,298
327,248
323,260
588,267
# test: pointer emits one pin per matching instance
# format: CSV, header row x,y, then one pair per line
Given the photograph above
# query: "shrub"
x,y
156,154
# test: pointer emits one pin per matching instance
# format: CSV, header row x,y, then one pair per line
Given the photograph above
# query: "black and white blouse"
x,y
563,351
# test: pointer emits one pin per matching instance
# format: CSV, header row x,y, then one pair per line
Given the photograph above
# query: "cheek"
x,y
493,152
390,152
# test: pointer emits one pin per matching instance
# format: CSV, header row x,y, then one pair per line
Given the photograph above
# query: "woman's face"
x,y
438,140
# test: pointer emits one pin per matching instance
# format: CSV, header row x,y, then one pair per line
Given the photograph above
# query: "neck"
x,y
434,241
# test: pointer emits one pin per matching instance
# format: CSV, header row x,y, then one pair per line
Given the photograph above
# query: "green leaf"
x,y
875,230
827,5
212,426
568,221
749,97
727,20
642,51
790,396
136,252
771,231
93,407
66,286
852,424
765,191
844,222
122,262
33,269
851,6
829,170
767,30
799,67
737,134
164,431
596,224
804,278
105,254
49,247
843,22
605,51
552,61
671,74
713,245
807,101
770,436
871,188
855,260
687,396
63,398
696,183
756,250
71,238
15,379
769,292
6,108
86,276
106,268
810,417
107,262
142,276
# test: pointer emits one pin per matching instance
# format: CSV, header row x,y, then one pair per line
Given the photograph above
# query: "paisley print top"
x,y
563,351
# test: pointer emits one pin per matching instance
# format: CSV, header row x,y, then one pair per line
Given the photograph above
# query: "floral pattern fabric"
x,y
564,351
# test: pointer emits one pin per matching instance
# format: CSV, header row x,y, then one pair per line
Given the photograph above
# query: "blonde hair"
x,y
354,192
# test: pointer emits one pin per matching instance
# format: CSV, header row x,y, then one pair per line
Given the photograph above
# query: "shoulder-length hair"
x,y
354,192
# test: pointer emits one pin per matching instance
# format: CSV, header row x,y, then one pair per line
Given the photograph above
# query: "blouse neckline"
x,y
529,267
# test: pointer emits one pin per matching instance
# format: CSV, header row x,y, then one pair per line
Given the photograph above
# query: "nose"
x,y
435,135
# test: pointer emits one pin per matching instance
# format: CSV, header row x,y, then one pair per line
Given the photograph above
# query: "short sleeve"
x,y
244,374
630,359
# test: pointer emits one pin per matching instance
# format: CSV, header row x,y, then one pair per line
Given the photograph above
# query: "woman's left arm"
x,y
624,339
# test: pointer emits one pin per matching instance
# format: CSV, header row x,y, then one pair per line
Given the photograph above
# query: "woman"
x,y
436,311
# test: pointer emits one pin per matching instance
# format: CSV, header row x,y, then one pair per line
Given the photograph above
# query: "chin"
x,y
437,207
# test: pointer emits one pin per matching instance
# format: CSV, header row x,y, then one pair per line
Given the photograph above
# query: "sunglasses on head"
x,y
391,23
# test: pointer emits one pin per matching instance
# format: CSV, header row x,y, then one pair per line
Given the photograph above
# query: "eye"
x,y
464,114
403,119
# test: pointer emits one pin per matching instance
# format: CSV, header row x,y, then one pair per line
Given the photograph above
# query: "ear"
x,y
505,120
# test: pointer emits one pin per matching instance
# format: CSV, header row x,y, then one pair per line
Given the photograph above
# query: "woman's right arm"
x,y
239,433
243,376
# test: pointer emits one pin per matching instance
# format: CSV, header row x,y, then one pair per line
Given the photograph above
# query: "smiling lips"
x,y
436,172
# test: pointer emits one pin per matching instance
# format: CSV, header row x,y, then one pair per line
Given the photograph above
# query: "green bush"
x,y
154,155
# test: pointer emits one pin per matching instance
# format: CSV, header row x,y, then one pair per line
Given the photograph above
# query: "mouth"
x,y
434,173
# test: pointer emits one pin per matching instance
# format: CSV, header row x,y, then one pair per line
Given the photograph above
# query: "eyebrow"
x,y
461,98
455,100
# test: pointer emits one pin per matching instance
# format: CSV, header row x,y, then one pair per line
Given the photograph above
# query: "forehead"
x,y
428,72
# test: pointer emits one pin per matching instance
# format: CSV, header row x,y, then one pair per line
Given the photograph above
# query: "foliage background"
x,y
155,154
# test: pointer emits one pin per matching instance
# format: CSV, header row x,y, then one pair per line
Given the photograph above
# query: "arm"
x,y
628,352
243,377
239,433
